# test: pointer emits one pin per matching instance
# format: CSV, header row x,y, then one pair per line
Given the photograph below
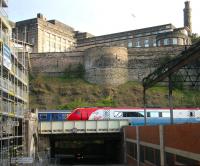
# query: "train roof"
x,y
139,108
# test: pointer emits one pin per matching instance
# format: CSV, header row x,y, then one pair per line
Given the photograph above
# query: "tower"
x,y
187,16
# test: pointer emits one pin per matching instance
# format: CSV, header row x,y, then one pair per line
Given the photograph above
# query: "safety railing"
x,y
11,88
68,127
12,109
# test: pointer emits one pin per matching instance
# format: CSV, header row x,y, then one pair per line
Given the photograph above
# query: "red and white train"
x,y
108,113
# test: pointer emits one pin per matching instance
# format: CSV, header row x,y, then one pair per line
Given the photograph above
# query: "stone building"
x,y
54,36
146,37
162,35
45,35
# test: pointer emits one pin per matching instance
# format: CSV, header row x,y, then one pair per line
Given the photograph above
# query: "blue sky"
x,y
101,17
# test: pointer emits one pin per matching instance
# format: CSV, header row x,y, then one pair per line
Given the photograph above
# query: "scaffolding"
x,y
13,92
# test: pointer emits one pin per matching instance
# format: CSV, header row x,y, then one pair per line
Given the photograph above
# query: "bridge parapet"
x,y
69,127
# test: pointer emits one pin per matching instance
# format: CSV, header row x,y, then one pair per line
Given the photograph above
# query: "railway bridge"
x,y
82,142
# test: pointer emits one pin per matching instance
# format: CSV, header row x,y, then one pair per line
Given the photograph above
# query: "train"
x,y
53,115
162,121
109,113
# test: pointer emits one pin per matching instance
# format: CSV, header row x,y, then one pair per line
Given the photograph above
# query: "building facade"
x,y
45,35
13,93
146,37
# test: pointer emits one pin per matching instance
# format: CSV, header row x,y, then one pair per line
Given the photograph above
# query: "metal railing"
x,y
13,89
91,126
12,109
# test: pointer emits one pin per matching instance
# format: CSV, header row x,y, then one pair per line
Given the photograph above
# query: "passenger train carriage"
x,y
106,113
53,115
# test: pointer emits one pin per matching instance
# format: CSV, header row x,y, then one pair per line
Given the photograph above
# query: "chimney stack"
x,y
187,16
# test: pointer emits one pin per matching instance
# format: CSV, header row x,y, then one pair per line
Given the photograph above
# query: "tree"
x,y
195,37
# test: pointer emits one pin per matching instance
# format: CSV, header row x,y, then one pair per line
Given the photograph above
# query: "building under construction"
x,y
13,92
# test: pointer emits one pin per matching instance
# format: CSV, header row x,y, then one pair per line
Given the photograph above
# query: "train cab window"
x,y
77,112
117,114
43,116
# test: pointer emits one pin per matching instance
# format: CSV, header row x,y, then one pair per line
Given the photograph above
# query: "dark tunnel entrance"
x,y
87,149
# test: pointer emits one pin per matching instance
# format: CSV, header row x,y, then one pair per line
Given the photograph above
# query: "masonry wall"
x,y
117,63
106,65
54,63
143,61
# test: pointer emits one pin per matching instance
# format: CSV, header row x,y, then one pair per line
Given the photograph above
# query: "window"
x,y
191,114
170,158
175,42
132,149
154,33
77,112
154,114
149,154
138,35
122,38
186,161
137,44
166,114
146,43
32,40
130,44
160,114
159,43
166,42
148,114
154,42
142,153
132,114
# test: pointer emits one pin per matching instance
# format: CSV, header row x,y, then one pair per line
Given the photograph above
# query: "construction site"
x,y
13,91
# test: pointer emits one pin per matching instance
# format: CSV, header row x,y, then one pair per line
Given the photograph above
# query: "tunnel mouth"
x,y
87,149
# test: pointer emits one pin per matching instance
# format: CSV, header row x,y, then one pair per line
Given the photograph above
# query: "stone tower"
x,y
106,65
187,16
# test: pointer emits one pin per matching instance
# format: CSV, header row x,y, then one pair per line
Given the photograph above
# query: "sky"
x,y
101,17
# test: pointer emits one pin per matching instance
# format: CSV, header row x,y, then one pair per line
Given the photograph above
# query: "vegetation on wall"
x,y
64,93
77,71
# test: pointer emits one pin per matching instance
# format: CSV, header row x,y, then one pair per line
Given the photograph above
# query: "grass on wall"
x,y
69,93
